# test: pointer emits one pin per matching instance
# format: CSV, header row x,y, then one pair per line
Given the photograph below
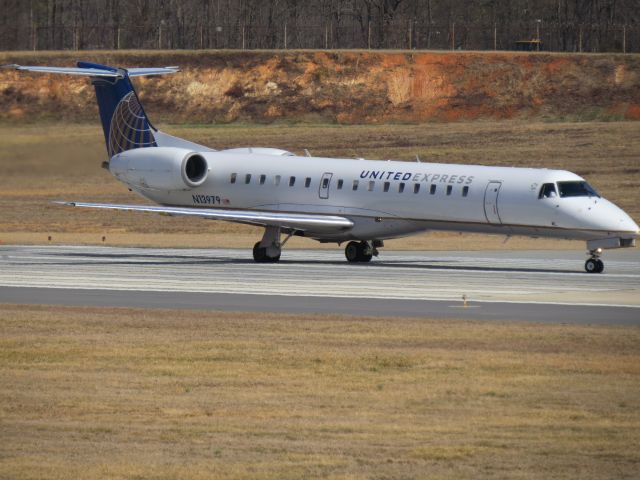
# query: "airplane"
x,y
361,202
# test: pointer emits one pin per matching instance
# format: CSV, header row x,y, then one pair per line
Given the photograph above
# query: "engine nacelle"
x,y
160,168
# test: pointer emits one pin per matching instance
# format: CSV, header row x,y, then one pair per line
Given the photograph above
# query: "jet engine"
x,y
160,168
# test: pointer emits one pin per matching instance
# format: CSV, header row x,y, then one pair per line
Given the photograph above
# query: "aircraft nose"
x,y
615,229
629,225
619,221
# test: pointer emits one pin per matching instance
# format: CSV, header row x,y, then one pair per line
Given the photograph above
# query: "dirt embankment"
x,y
344,87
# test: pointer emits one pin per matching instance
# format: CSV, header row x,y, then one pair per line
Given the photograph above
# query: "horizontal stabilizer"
x,y
294,221
139,72
95,72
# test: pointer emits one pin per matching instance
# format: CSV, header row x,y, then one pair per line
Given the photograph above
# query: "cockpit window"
x,y
576,189
548,190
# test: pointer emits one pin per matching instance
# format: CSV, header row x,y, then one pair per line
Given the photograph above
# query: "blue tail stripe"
x,y
124,121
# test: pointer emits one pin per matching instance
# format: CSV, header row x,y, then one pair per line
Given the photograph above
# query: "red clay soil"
x,y
339,86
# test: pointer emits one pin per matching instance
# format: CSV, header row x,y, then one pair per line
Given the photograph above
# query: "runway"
x,y
533,286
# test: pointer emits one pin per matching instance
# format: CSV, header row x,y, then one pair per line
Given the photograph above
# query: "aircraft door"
x,y
491,202
325,182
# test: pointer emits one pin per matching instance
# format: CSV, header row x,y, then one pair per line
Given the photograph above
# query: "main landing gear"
x,y
260,254
362,251
269,249
594,264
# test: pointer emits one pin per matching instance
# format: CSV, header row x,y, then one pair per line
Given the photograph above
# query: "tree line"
x,y
558,25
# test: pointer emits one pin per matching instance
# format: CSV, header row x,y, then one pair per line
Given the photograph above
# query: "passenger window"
x,y
340,182
465,191
548,190
276,180
292,181
263,178
432,190
355,185
449,189
386,186
400,187
372,184
325,183
416,187
307,182
247,178
233,177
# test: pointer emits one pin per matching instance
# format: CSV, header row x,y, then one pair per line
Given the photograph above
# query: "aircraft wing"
x,y
294,221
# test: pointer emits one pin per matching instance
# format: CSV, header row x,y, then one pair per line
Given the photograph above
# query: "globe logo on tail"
x,y
129,126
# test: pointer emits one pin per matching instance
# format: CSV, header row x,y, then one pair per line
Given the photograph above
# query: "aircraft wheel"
x,y
365,252
366,258
259,253
594,265
352,252
275,259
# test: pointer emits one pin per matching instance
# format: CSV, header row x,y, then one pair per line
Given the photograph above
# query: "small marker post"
x,y
464,300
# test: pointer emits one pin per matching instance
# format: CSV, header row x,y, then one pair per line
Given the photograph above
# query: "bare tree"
x,y
566,25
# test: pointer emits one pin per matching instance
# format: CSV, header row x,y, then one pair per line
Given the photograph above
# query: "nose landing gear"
x,y
594,264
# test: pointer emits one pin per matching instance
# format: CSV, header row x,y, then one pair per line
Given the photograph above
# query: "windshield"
x,y
576,189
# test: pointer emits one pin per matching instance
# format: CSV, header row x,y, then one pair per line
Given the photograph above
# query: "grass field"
x,y
118,393
41,163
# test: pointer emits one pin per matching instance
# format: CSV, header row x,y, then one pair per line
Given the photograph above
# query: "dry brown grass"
x,y
39,164
120,393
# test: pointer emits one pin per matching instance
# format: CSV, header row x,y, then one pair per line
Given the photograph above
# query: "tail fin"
x,y
124,122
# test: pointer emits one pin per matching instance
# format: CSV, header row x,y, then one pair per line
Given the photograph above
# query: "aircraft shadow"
x,y
436,265
426,264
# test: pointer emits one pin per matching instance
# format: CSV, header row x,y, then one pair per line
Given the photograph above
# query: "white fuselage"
x,y
335,200
392,198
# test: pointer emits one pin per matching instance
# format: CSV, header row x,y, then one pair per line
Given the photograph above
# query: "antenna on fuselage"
x,y
306,152
418,159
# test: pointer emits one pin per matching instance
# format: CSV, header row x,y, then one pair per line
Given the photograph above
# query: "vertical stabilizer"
x,y
124,121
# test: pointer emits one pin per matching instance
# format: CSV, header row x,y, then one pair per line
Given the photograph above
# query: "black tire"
x,y
591,265
600,266
352,252
259,253
275,259
363,248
